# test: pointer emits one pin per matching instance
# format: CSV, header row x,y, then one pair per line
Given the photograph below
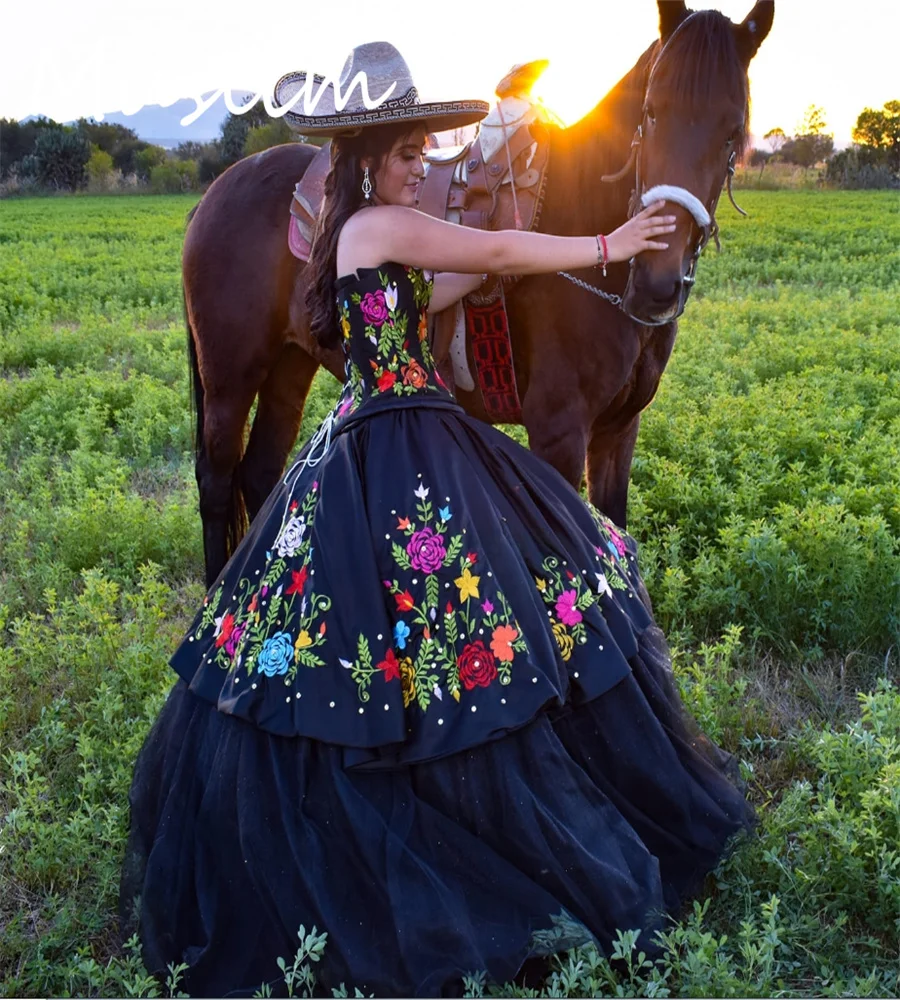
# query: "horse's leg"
x,y
276,424
609,454
218,454
557,428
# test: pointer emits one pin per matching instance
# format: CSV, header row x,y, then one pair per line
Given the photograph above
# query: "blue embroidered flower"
x,y
275,655
401,632
444,513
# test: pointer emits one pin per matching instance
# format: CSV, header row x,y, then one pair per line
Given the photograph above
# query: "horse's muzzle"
x,y
654,303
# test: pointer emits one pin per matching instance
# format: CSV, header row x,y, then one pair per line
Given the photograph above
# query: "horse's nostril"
x,y
663,293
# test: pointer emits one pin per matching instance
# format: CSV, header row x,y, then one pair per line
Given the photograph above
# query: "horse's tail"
x,y
236,517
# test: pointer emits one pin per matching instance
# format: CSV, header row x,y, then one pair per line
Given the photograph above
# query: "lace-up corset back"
x,y
384,323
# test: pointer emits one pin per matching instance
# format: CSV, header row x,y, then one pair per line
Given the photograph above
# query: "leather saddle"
x,y
497,181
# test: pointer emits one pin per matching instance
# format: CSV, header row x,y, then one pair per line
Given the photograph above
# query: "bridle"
x,y
703,215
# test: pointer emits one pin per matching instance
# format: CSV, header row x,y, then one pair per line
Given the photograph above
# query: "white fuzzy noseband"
x,y
680,196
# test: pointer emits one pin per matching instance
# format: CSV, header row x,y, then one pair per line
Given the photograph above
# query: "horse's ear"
x,y
751,32
671,14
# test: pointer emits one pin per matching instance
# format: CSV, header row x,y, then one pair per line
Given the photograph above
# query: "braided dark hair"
x,y
343,197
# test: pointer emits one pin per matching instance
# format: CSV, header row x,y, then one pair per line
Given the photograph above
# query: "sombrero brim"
x,y
440,116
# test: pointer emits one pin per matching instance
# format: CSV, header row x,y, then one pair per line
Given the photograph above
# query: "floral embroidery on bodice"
x,y
384,322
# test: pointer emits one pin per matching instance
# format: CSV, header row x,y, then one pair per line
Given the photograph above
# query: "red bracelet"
x,y
603,252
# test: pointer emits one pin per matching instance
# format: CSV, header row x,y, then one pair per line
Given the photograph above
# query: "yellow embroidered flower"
x,y
407,680
345,326
303,640
565,642
541,584
468,584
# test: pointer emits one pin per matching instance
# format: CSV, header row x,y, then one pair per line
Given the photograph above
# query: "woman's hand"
x,y
638,233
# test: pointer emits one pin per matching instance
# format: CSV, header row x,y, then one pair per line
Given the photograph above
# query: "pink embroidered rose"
x,y
231,644
374,308
426,550
565,608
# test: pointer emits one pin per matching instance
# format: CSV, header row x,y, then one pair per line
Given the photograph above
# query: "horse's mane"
x,y
700,62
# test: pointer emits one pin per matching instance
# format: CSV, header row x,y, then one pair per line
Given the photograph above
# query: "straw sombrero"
x,y
325,109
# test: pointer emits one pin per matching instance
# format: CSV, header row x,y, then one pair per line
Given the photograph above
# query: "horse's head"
x,y
694,127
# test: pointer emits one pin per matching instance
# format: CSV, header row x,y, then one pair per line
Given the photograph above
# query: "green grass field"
x,y
766,497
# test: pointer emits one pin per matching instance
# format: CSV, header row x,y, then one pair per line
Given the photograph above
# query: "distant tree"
x,y
276,132
60,158
759,158
174,177
100,167
813,122
811,143
17,141
861,167
776,138
189,150
125,155
236,128
880,130
148,158
107,136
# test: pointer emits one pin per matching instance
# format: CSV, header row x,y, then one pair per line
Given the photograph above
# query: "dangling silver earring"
x,y
367,185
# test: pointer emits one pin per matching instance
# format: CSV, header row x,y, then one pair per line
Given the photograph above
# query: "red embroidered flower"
x,y
472,557
386,381
298,581
390,666
404,601
225,633
477,667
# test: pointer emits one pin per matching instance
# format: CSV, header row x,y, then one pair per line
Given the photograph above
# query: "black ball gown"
x,y
425,708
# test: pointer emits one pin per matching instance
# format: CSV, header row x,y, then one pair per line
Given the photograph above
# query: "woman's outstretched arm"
x,y
405,235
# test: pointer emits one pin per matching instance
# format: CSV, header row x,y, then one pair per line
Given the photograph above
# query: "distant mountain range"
x,y
161,125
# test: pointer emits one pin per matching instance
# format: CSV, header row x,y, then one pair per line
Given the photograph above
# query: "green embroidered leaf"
x,y
309,659
400,556
432,590
365,655
450,627
585,600
453,550
209,612
275,570
273,611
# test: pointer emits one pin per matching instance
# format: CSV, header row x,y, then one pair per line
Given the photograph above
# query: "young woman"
x,y
425,708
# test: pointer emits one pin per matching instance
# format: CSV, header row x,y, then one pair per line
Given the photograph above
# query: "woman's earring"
x,y
367,185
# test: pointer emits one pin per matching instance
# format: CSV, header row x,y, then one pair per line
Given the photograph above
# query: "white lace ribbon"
x,y
308,461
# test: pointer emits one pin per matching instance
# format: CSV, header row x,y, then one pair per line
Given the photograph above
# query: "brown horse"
x,y
586,367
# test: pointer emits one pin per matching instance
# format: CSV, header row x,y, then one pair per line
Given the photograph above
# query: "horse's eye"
x,y
651,114
733,138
